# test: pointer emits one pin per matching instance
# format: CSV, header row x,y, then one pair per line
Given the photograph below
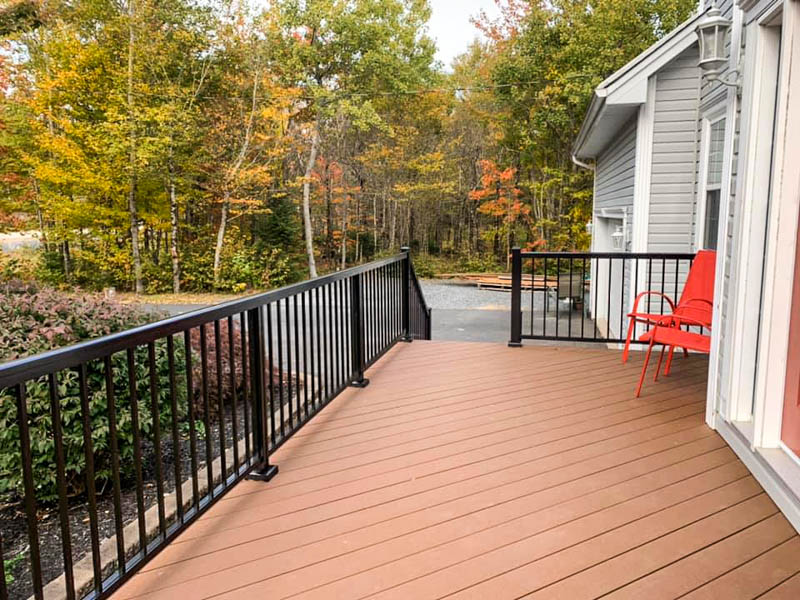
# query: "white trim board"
x,y
772,468
643,169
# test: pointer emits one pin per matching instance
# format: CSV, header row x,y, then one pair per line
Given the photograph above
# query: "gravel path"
x,y
455,295
462,312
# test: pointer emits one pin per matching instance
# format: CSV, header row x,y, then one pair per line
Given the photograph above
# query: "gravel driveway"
x,y
461,312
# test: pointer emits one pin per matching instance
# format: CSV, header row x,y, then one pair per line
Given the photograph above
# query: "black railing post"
x,y
255,325
406,300
357,333
428,325
516,299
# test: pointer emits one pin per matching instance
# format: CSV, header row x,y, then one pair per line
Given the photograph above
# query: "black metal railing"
x,y
419,312
185,408
586,296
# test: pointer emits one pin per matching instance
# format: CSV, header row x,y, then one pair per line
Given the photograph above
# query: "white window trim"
x,y
712,118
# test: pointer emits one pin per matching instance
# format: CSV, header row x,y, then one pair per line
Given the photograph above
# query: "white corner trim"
x,y
772,468
644,169
716,365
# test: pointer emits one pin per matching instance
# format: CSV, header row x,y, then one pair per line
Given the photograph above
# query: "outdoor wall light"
x,y
618,238
712,33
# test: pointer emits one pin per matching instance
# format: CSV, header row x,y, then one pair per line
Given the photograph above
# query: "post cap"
x,y
405,249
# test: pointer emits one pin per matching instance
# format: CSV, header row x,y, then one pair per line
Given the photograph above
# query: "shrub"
x,y
39,320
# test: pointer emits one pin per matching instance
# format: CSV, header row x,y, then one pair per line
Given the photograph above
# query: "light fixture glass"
x,y
618,238
712,33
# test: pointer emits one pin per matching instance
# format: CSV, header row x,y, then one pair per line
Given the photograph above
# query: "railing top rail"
x,y
630,255
31,367
418,287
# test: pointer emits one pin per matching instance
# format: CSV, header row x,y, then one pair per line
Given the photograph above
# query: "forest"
x,y
192,145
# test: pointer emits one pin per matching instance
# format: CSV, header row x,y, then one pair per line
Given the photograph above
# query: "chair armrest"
x,y
651,293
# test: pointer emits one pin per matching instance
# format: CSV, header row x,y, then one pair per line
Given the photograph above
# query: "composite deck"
x,y
479,471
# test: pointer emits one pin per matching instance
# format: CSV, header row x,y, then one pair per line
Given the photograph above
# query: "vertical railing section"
x,y
416,312
188,407
587,296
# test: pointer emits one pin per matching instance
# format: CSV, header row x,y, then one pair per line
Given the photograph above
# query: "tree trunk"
x,y
309,232
173,247
344,232
67,261
223,222
393,228
330,251
134,218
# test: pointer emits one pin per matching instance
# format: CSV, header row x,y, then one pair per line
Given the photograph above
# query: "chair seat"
x,y
672,336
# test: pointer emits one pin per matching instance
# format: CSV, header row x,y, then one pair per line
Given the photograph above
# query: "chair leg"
x,y
644,369
660,360
631,327
669,360
685,353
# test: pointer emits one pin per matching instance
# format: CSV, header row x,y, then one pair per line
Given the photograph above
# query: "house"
x,y
641,135
693,152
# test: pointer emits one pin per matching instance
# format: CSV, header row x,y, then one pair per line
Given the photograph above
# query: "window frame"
x,y
717,116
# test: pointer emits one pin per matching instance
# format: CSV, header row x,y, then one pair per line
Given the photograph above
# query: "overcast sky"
x,y
451,28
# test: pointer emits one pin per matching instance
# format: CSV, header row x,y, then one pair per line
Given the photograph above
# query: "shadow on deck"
x,y
479,471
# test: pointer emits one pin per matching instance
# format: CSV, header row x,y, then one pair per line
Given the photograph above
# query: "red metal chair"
x,y
693,308
669,334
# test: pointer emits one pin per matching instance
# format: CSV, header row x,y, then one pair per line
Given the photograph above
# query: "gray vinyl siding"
x,y
674,155
614,175
712,96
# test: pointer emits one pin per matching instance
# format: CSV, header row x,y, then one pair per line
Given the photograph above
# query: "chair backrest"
x,y
699,286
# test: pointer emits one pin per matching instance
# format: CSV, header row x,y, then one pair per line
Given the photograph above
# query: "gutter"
x,y
580,163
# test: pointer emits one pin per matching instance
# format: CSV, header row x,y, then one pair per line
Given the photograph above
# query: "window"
x,y
713,192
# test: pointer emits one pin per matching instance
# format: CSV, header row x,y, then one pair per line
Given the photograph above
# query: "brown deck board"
x,y
479,471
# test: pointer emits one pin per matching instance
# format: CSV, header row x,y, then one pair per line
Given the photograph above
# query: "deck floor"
x,y
479,471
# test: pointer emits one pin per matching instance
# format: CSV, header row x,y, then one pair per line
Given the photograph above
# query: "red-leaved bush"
x,y
229,361
39,319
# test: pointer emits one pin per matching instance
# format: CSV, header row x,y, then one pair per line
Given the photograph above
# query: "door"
x,y
790,428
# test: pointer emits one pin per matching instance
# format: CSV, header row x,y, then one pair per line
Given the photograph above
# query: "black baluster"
x,y
115,477
91,494
187,346
234,397
220,403
29,487
264,471
246,391
176,442
206,408
137,449
156,416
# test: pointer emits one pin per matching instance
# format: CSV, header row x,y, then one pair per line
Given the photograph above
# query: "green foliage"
x,y
9,564
428,266
40,320
202,148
